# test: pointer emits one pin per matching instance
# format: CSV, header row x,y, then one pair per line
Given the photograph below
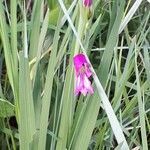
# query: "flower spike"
x,y
82,74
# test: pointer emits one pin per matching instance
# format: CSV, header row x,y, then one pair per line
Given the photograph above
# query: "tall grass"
x,y
38,108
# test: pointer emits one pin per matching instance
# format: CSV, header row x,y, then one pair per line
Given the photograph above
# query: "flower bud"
x,y
87,3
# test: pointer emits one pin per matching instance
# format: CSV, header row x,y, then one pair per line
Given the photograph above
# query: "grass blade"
x,y
26,108
141,108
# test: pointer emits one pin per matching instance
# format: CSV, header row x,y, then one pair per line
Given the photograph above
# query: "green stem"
x,y
81,26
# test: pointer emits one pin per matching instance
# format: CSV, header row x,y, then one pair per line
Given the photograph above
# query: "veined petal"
x,y
87,71
87,85
79,84
84,91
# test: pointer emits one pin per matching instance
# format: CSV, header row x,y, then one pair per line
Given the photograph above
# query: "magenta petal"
x,y
83,85
79,85
87,71
87,85
84,91
79,60
87,3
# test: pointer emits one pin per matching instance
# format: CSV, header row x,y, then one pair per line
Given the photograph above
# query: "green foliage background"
x,y
38,108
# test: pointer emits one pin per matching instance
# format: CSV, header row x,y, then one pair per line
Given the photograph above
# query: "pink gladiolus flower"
x,y
82,74
87,3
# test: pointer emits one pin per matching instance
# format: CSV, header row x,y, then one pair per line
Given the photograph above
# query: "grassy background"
x,y
38,108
